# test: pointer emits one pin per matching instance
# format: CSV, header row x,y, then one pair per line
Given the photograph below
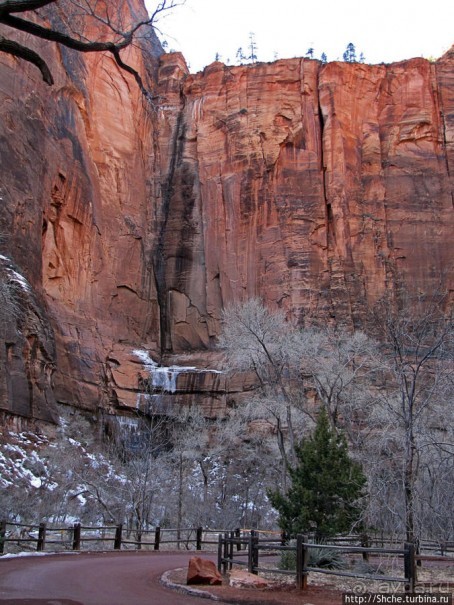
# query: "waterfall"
x,y
164,378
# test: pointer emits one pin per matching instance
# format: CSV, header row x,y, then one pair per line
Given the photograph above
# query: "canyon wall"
x,y
129,225
319,188
78,215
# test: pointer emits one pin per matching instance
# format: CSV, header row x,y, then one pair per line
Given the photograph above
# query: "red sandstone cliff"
x,y
317,187
78,183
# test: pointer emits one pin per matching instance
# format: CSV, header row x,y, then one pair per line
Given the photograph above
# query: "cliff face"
x,y
78,183
317,187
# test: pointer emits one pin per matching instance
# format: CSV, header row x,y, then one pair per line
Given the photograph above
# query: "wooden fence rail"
x,y
76,536
257,548
80,537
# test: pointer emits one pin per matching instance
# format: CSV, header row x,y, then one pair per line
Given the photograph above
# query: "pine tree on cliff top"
x,y
350,53
326,489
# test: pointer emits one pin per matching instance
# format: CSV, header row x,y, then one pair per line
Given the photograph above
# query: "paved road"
x,y
92,579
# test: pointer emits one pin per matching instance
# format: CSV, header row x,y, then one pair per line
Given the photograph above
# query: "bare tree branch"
x,y
116,37
22,52
55,36
21,6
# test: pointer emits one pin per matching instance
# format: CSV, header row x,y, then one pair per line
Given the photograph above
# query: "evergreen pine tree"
x,y
326,486
240,55
350,53
252,48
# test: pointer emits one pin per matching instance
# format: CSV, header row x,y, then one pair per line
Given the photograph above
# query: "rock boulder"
x,y
243,579
203,571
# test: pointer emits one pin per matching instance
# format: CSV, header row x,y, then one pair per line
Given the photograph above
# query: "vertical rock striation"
x,y
317,187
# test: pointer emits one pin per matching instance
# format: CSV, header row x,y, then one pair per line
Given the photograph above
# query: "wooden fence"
x,y
434,547
76,537
248,550
80,537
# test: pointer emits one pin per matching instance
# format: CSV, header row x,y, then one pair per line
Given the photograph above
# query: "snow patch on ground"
x,y
27,464
34,554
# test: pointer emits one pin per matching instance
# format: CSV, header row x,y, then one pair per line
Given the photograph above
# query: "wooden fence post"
x,y
199,538
418,552
231,545
299,562
250,559
76,536
305,560
302,560
225,554
2,536
256,550
41,544
117,540
409,567
238,535
365,543
157,537
220,545
253,552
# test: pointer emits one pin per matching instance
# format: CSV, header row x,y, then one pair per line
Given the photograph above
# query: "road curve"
x,y
124,578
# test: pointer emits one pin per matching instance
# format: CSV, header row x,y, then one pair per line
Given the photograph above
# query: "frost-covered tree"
x,y
337,365
413,403
258,340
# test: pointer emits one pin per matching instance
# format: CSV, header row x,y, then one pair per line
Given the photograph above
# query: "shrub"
x,y
325,558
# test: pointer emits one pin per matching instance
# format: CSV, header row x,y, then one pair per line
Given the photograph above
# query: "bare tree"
x,y
189,436
258,340
393,397
414,393
82,25
338,365
145,469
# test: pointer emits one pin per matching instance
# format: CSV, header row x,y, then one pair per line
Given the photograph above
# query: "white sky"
x,y
384,30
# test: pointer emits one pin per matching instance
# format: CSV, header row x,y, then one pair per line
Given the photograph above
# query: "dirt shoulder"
x,y
276,594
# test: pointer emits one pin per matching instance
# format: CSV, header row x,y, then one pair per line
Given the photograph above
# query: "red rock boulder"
x,y
203,571
244,579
